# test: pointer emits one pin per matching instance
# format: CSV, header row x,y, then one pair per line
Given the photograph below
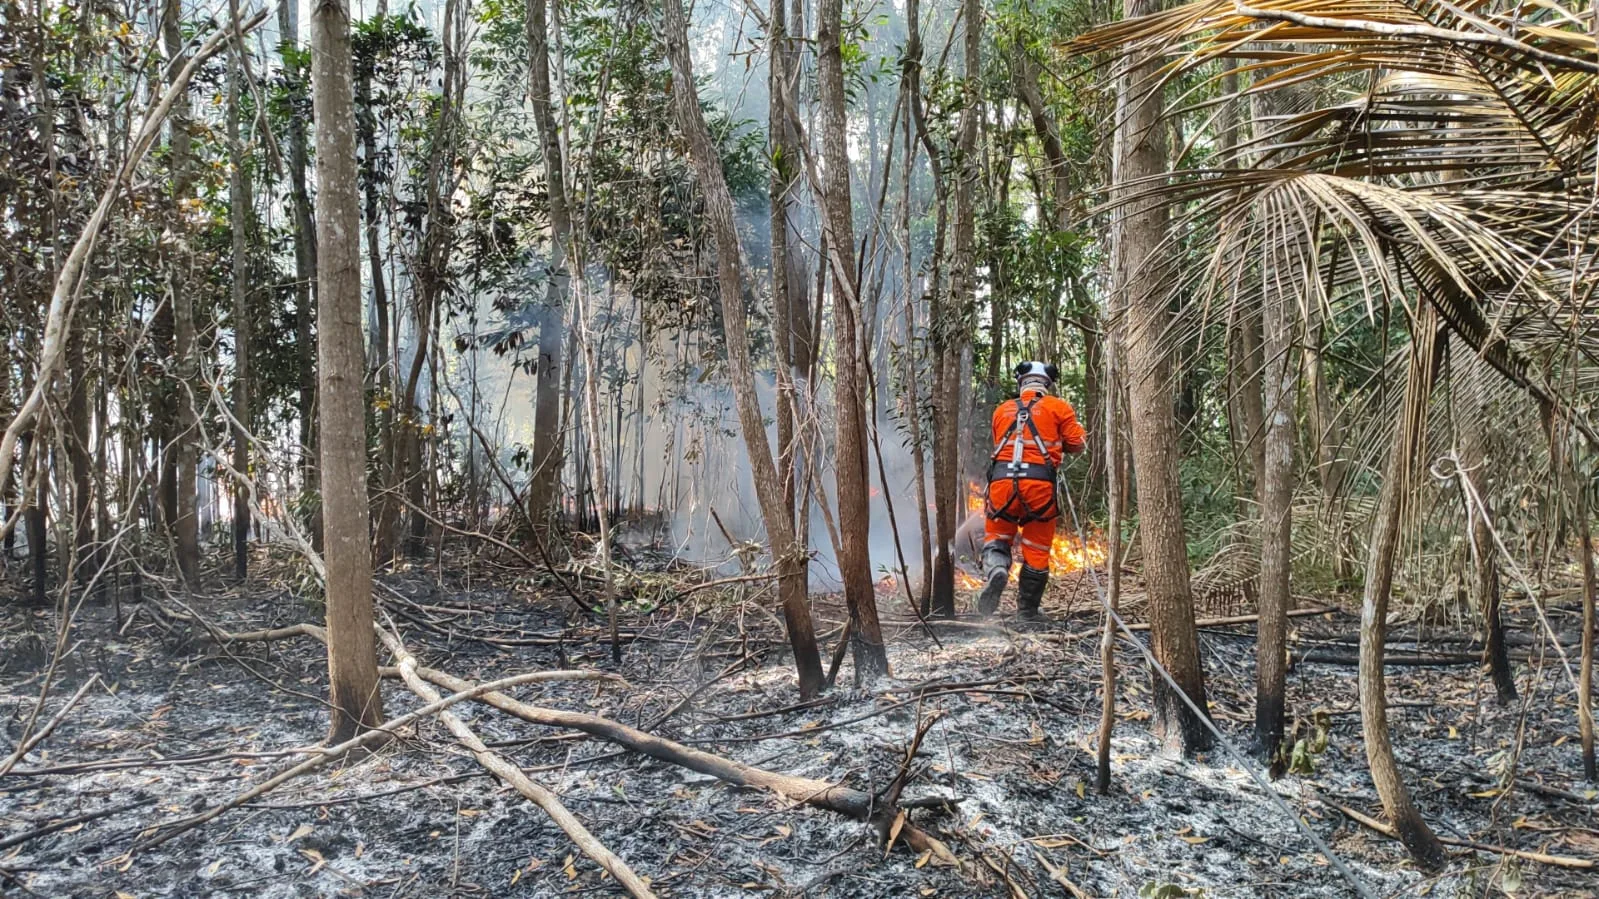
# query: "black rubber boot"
x,y
996,571
1030,592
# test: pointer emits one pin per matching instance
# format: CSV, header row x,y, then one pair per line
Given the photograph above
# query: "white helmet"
x,y
1037,371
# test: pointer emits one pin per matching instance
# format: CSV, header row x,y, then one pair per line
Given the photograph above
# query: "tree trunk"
x,y
304,260
353,691
391,455
1115,507
852,473
547,455
1153,424
1485,587
583,327
787,554
1397,484
938,582
239,198
432,272
790,306
78,437
35,524
949,319
1590,770
1276,511
185,523
1328,440
1245,415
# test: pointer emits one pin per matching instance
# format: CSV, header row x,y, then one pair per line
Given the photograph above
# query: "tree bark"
x,y
949,321
849,408
1328,440
1590,769
1397,484
1115,508
356,703
78,438
185,523
239,198
304,260
391,456
547,455
1276,510
938,581
1153,424
786,552
1472,372
790,307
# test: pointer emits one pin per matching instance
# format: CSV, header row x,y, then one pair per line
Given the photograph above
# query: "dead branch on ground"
x,y
514,776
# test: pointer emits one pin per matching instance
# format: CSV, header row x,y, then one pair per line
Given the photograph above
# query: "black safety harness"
x,y
1015,470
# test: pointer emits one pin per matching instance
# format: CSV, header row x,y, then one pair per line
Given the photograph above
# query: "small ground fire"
x,y
1067,555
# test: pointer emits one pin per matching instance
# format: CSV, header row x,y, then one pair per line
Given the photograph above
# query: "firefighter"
x,y
1031,434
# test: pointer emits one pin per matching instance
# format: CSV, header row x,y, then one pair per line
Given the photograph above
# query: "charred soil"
x,y
1004,777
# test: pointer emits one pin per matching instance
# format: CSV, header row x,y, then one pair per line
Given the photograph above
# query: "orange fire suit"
x,y
1031,434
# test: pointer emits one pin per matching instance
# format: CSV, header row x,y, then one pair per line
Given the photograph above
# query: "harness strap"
x,y
1016,471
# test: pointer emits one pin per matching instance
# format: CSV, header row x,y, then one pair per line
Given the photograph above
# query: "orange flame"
x,y
976,496
1067,555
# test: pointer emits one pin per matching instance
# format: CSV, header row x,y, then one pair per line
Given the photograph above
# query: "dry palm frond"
x,y
1398,155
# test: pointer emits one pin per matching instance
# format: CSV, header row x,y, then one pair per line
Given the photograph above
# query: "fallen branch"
x,y
500,767
1390,660
855,804
1140,626
1558,861
44,732
64,823
164,833
1057,875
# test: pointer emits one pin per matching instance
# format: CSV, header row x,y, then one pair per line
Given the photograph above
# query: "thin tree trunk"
x,y
1328,439
788,310
547,455
1276,511
1397,484
949,323
185,522
583,321
392,453
304,259
1485,586
356,703
938,581
786,552
239,218
1590,770
1153,424
1115,502
852,472
78,437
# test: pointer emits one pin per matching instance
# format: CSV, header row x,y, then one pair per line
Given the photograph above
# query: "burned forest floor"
x,y
178,722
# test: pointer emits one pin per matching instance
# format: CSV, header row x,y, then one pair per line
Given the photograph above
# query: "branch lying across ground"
x,y
853,803
856,804
28,745
165,832
515,777
1559,861
64,823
